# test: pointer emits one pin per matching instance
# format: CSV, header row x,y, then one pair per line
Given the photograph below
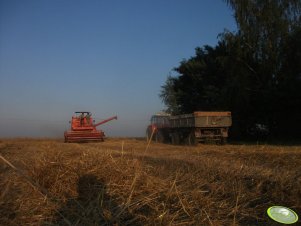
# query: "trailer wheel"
x,y
175,139
224,140
191,140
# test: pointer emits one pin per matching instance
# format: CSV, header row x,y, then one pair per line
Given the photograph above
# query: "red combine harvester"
x,y
83,129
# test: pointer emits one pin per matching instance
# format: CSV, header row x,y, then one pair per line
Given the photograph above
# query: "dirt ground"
x,y
122,182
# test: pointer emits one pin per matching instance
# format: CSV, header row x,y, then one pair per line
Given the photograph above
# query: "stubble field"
x,y
122,182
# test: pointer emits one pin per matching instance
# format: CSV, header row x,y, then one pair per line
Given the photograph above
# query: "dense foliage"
x,y
255,72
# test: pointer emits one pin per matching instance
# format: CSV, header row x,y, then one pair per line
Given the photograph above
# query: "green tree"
x,y
169,95
254,72
198,85
265,28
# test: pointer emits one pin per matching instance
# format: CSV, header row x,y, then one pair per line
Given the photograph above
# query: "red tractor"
x,y
83,129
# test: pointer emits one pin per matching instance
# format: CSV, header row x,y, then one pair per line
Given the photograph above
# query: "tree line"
x,y
254,72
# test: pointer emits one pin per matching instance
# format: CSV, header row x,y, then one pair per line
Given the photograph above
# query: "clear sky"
x,y
110,57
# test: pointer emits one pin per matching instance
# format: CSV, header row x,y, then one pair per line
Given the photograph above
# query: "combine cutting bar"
x,y
82,136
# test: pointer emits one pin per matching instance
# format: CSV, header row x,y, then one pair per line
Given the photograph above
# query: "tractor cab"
x,y
160,120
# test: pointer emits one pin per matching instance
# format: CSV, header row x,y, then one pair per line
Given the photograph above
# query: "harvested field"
x,y
119,182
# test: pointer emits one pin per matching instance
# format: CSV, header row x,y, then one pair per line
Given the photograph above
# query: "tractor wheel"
x,y
159,136
148,135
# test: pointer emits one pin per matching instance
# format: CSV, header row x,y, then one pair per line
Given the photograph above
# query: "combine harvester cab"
x,y
83,129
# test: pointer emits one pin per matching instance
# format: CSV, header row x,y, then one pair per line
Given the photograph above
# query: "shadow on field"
x,y
273,142
209,178
93,206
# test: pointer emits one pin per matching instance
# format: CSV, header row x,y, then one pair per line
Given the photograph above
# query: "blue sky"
x,y
107,57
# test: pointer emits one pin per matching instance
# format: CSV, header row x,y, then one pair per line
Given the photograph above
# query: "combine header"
x,y
83,129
